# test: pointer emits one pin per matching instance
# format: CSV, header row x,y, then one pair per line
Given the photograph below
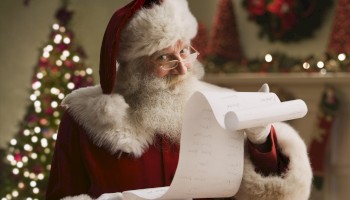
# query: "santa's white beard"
x,y
157,104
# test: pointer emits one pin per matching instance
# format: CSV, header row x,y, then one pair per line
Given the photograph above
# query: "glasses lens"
x,y
170,65
188,59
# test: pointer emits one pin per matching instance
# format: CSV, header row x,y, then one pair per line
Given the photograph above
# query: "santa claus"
x,y
124,133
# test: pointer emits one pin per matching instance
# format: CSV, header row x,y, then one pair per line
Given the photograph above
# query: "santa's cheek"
x,y
159,73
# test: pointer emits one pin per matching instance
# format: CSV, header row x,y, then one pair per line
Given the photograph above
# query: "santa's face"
x,y
173,62
157,97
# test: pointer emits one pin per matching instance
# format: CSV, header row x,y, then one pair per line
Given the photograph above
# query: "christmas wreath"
x,y
287,20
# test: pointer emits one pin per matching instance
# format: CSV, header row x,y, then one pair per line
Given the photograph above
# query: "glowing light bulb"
x,y
67,76
26,132
25,159
13,141
54,104
10,157
32,176
34,139
44,142
54,91
61,96
306,65
26,174
13,162
33,97
37,110
48,48
32,183
62,57
57,39
37,129
15,171
36,85
320,64
54,136
34,156
37,93
19,164
82,73
76,58
41,176
59,63
46,54
268,58
341,57
55,27
70,85
66,40
15,193
66,53
21,185
37,103
39,75
62,29
27,147
35,190
89,71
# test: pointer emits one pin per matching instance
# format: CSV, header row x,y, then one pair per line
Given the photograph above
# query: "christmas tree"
x,y
225,42
339,41
59,71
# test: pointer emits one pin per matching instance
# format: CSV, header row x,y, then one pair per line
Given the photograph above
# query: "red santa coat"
x,y
81,167
84,163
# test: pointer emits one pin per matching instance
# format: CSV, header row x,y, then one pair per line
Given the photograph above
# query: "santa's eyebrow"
x,y
161,53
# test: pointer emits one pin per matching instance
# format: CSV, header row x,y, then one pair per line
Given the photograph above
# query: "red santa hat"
x,y
141,28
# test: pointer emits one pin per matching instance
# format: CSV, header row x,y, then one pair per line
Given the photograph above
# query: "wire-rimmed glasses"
x,y
191,57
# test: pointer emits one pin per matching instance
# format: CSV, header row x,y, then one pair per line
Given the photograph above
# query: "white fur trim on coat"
x,y
104,119
293,184
156,28
80,197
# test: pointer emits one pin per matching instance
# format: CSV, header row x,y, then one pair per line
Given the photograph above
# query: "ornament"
x,y
17,157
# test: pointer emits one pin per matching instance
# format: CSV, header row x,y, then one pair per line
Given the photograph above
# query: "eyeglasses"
x,y
186,59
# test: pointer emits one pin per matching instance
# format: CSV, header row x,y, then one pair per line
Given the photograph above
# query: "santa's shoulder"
x,y
89,105
104,118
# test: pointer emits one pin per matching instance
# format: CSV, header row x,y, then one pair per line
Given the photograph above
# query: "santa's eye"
x,y
163,58
185,51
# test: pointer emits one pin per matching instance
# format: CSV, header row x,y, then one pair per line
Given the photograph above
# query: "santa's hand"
x,y
111,196
258,135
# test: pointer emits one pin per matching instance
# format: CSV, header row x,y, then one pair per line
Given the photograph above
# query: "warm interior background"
x,y
23,30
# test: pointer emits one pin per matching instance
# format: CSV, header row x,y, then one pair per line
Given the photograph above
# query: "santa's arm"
x,y
67,177
277,169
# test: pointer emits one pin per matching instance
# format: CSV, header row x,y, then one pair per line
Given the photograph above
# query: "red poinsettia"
x,y
256,7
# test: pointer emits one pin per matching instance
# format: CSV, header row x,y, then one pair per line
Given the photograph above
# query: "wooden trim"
x,y
285,78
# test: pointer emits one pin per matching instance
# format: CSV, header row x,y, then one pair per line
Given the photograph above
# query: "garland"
x,y
287,20
280,63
